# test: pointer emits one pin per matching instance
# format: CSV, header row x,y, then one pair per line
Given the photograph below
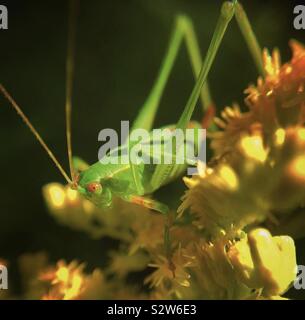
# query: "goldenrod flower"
x,y
264,262
166,277
69,282
235,192
277,101
214,276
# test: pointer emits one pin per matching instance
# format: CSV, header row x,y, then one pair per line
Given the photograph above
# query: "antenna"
x,y
73,6
34,131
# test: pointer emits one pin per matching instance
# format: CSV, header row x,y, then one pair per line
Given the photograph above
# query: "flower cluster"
x,y
220,241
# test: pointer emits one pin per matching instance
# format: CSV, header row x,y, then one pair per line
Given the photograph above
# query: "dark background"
x,y
120,44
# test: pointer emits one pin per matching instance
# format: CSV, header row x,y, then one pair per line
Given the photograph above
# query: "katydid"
x,y
99,182
133,182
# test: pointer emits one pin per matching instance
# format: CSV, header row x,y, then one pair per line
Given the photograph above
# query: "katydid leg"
x,y
183,30
163,172
147,203
163,209
250,38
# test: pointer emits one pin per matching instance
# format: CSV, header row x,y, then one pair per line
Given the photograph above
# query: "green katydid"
x,y
100,183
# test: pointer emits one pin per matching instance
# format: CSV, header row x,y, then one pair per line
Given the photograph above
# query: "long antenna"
x,y
34,131
73,4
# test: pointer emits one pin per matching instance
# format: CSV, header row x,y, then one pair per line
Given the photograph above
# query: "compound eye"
x,y
94,187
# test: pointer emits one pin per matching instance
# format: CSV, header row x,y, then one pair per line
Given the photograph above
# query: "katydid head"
x,y
88,184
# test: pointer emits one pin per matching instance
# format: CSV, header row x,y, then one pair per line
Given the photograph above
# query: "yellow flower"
x,y
256,182
69,282
213,275
264,262
165,277
277,101
69,208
